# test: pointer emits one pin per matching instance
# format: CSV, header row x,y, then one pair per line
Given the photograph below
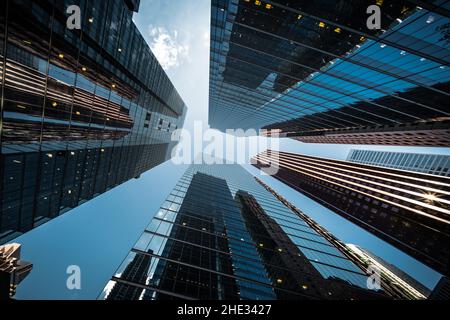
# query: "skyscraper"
x,y
426,163
442,290
409,210
313,71
222,235
12,270
404,285
136,272
82,110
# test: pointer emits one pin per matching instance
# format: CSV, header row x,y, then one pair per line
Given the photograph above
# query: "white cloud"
x,y
167,47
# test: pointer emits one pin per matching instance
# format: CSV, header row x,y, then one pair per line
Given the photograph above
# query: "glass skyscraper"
x,y
82,110
442,290
426,163
409,210
222,234
313,71
404,285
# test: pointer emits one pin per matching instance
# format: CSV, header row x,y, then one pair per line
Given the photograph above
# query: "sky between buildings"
x,y
98,235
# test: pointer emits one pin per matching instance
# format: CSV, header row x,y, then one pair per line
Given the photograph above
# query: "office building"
x,y
442,290
12,270
409,210
82,111
405,286
136,272
426,163
222,235
313,71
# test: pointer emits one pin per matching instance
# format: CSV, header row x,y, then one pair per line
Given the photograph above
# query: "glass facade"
x,y
222,235
312,70
426,163
442,290
404,285
409,210
82,111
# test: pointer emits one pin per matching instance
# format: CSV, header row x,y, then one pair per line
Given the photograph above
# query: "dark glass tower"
x,y
136,272
442,290
409,210
405,286
222,235
313,71
82,111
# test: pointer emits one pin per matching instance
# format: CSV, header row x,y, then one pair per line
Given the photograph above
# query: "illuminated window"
x,y
321,24
337,30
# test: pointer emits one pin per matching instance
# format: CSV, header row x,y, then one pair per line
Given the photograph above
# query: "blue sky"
x,y
98,235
